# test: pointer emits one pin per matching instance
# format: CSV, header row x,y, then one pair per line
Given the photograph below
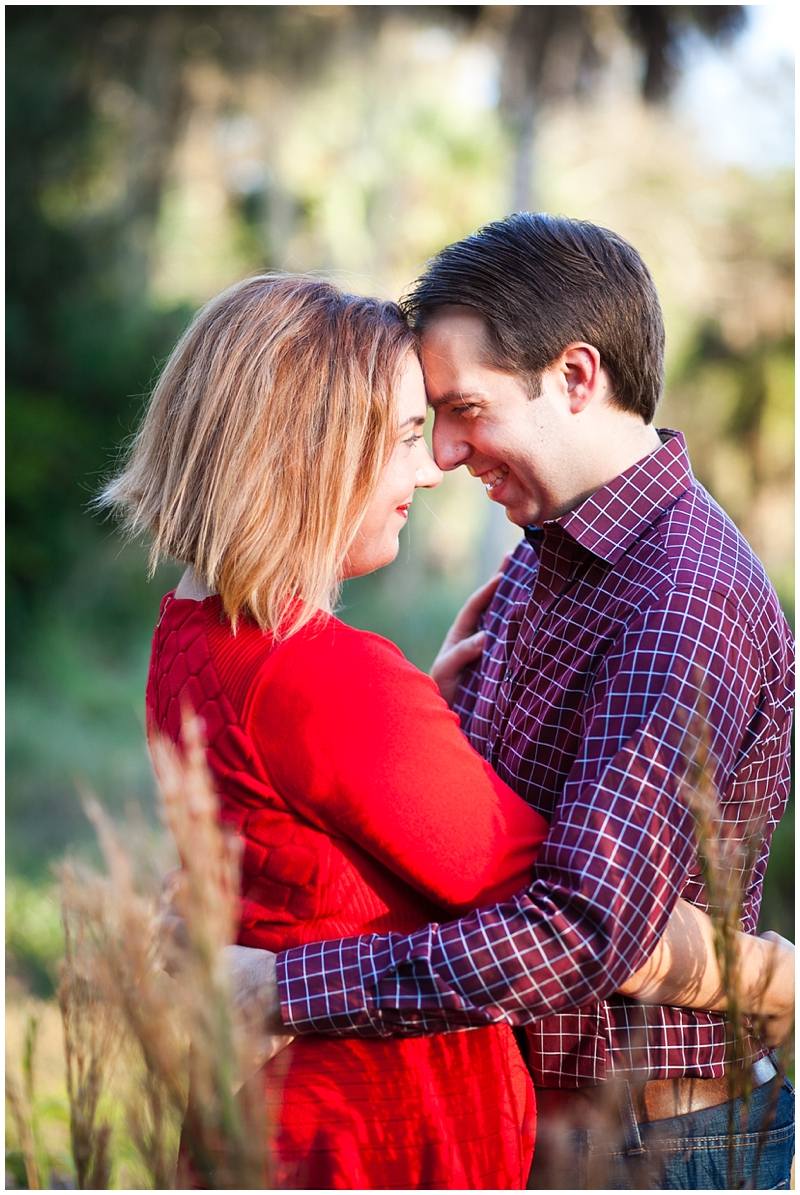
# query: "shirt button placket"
x,y
552,579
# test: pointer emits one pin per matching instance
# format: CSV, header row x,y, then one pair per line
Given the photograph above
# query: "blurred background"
x,y
158,154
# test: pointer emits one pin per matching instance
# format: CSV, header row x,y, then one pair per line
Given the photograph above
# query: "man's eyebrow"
x,y
454,396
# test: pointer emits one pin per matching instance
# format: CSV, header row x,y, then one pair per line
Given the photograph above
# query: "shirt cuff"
x,y
371,986
323,987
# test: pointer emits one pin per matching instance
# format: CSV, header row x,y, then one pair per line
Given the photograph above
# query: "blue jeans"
x,y
685,1153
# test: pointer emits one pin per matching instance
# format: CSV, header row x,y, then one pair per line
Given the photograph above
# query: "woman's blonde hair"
x,y
264,441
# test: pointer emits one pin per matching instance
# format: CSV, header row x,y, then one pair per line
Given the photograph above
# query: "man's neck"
x,y
625,442
616,443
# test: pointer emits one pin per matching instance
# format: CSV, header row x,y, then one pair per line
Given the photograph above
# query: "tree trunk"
x,y
524,187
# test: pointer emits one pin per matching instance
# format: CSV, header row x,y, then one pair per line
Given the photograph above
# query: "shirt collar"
x,y
610,520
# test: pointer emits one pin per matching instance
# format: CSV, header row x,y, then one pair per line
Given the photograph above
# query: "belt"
x,y
655,1099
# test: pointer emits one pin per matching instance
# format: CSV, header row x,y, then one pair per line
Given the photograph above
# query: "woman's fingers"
x,y
456,658
466,621
469,649
464,642
451,662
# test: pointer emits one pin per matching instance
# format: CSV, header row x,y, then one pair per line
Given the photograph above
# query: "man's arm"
x,y
608,874
682,971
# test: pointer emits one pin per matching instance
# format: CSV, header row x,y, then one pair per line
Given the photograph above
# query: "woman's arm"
x,y
360,743
684,971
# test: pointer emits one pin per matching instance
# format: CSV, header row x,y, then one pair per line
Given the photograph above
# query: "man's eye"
x,y
465,410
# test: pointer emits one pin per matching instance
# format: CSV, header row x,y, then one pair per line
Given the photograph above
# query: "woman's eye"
x,y
411,441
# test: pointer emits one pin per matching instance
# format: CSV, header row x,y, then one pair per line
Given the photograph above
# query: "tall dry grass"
x,y
21,1101
726,852
134,994
156,1005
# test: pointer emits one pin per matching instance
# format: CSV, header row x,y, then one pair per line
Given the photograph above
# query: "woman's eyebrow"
x,y
414,421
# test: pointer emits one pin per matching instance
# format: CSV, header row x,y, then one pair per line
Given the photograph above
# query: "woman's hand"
x,y
684,971
775,1011
463,642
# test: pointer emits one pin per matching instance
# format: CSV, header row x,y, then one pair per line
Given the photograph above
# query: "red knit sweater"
x,y
362,808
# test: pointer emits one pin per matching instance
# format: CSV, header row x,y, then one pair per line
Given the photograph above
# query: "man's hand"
x,y
252,974
255,993
463,642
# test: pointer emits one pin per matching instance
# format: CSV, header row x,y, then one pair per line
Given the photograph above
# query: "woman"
x,y
279,456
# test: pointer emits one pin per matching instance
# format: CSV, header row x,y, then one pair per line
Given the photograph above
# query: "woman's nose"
x,y
429,474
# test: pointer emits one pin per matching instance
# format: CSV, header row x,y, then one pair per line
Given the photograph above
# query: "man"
x,y
634,686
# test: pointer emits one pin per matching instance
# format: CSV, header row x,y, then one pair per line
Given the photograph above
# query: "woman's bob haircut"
x,y
264,441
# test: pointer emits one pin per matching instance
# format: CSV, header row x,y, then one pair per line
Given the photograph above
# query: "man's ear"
x,y
583,373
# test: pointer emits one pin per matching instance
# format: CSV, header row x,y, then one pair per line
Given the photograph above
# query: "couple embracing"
x,y
475,900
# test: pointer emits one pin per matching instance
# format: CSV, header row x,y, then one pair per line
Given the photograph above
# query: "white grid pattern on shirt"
x,y
609,635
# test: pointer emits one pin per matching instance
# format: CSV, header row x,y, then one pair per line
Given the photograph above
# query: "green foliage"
x,y
34,1160
34,941
81,348
75,707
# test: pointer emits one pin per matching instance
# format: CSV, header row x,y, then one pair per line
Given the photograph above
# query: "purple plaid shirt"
x,y
628,641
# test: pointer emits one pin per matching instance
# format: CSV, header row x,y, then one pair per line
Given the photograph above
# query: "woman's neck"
x,y
191,587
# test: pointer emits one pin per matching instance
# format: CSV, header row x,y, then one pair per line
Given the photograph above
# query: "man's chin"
x,y
519,518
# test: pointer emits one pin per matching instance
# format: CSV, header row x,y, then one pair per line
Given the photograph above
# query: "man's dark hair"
x,y
541,282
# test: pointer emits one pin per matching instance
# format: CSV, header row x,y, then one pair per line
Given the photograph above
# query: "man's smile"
x,y
491,478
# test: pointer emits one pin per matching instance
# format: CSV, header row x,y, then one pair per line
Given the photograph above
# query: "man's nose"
x,y
429,474
449,449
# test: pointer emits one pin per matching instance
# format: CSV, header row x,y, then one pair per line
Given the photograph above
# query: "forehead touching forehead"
x,y
409,397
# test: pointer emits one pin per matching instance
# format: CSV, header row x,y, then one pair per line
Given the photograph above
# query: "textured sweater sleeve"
x,y
361,743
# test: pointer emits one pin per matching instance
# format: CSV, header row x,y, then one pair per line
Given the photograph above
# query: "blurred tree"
x,y
556,52
95,100
97,97
99,102
80,335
